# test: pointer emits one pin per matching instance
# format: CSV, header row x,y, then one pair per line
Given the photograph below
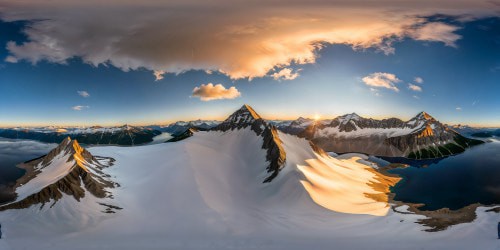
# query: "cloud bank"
x,y
241,39
210,92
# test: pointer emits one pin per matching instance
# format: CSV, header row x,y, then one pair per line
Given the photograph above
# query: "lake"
x,y
452,182
13,152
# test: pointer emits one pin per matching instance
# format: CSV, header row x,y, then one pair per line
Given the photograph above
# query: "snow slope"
x,y
206,192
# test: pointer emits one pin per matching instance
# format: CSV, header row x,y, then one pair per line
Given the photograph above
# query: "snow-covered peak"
x,y
421,120
348,117
302,122
246,117
242,116
68,169
424,116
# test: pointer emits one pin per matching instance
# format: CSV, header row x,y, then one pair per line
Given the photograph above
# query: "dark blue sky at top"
x,y
461,85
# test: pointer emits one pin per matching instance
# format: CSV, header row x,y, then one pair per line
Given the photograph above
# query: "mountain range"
x,y
421,137
242,178
96,135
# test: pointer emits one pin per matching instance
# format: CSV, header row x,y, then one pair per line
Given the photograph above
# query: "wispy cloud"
x,y
418,80
249,40
210,92
285,74
458,109
158,74
83,93
382,80
416,97
414,87
437,32
80,107
376,92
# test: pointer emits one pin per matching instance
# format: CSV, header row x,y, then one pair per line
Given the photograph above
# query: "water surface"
x,y
452,182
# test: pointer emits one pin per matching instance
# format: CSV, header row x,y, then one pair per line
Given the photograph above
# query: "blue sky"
x,y
460,83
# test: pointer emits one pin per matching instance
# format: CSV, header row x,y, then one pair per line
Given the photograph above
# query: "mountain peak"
x,y
67,169
243,116
251,111
424,115
73,150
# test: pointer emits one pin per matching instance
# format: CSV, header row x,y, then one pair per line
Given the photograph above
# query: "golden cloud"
x,y
210,92
242,39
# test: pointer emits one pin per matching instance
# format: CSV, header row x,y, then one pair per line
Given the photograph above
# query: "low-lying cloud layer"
x,y
210,92
242,39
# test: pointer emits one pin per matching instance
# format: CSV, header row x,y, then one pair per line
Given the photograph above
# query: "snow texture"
x,y
206,192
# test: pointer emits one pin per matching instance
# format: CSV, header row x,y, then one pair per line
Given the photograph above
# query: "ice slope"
x,y
58,169
206,192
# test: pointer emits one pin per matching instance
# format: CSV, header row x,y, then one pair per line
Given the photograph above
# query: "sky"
x,y
114,62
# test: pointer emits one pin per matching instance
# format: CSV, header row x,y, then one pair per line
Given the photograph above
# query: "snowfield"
x,y
207,192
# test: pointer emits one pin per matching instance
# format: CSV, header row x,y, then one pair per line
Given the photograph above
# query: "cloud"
x,y
250,39
285,74
83,93
458,108
375,92
210,92
414,87
158,74
79,107
418,80
11,59
382,80
10,148
436,32
416,97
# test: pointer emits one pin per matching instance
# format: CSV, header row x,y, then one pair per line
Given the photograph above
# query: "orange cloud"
x,y
285,74
210,92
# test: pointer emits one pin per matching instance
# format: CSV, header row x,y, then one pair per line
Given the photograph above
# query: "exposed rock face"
x,y
83,175
420,137
247,117
183,135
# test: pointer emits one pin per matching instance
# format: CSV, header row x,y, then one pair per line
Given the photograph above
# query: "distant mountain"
x,y
487,133
123,135
421,137
68,169
182,126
